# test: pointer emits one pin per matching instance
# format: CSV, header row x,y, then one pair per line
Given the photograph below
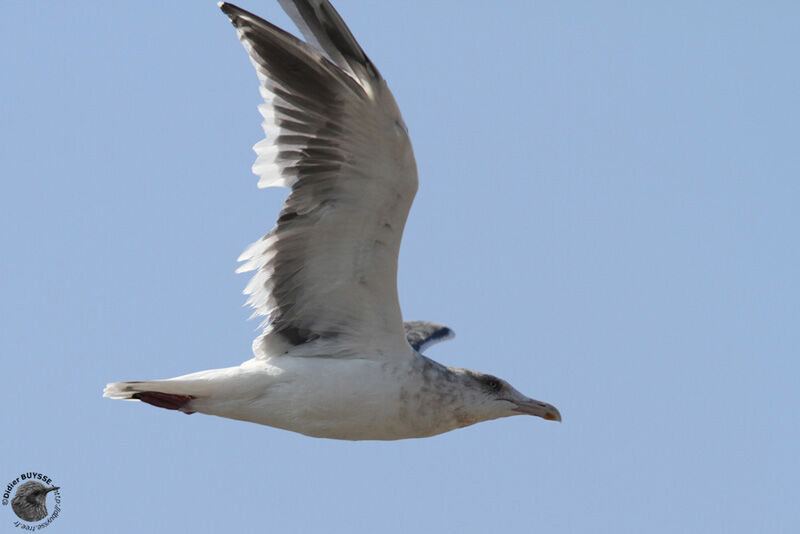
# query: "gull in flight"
x,y
335,359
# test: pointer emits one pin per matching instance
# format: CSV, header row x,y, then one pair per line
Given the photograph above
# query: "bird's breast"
x,y
351,399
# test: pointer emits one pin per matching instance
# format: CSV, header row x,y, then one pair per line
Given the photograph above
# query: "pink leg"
x,y
164,400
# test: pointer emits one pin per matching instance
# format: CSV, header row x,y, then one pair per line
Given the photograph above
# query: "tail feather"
x,y
178,393
127,390
170,394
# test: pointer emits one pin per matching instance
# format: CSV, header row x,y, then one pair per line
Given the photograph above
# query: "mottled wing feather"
x,y
422,334
327,271
322,26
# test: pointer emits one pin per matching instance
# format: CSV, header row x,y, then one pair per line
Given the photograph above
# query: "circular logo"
x,y
28,494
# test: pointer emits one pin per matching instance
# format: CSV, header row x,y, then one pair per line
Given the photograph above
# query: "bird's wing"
x,y
326,274
322,26
422,334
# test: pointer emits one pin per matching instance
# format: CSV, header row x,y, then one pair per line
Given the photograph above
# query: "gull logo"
x,y
28,494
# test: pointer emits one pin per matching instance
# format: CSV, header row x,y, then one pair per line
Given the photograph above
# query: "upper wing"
x,y
322,26
422,334
327,272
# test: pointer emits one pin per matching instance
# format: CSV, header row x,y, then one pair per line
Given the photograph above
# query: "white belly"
x,y
337,398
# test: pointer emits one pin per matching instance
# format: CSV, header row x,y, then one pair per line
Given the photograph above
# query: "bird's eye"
x,y
493,384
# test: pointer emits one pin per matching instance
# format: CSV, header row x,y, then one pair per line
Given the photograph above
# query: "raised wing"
x,y
326,274
422,334
322,26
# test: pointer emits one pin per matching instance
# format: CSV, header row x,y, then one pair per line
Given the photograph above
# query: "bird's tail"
x,y
170,394
187,393
173,393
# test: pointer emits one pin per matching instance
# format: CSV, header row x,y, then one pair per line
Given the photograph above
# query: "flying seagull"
x,y
335,359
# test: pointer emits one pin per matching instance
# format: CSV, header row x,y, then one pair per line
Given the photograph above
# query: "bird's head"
x,y
496,398
29,501
35,492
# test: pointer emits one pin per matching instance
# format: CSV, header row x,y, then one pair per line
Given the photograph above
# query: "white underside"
x,y
338,398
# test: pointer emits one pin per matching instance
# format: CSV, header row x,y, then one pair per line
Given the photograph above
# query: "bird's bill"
x,y
538,408
52,489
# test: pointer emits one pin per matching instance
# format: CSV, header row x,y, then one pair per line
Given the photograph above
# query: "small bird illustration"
x,y
29,503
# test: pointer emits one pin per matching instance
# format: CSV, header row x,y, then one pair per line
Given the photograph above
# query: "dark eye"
x,y
493,384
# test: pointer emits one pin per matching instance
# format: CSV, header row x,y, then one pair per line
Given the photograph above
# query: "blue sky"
x,y
607,217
